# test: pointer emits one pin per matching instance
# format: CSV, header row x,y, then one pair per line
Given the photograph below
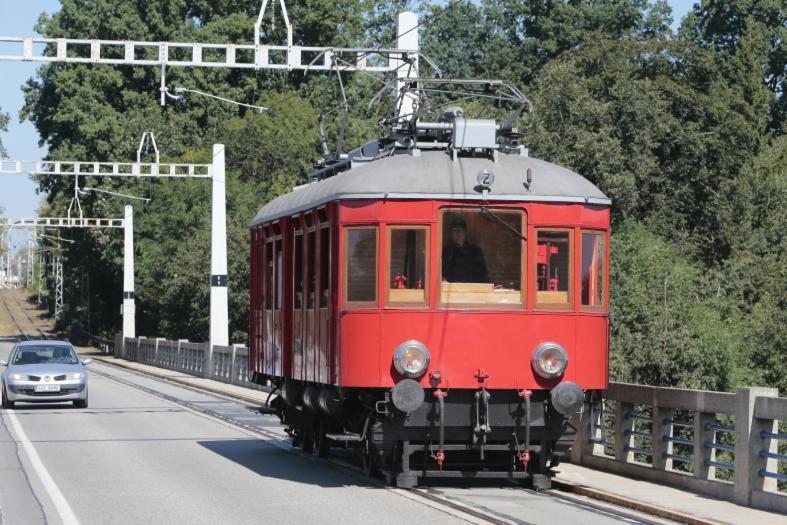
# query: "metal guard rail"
x,y
228,364
674,436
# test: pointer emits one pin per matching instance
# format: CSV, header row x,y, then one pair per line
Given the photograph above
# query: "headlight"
x,y
549,360
17,377
76,375
411,358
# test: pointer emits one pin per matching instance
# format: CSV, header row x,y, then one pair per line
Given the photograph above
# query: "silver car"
x,y
44,372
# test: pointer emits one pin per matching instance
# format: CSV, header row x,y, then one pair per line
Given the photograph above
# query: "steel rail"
x,y
25,335
472,513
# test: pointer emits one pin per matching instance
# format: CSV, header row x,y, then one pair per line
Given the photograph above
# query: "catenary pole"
x,y
219,308
129,308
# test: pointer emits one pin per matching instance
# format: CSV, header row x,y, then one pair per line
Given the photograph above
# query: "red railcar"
x,y
441,305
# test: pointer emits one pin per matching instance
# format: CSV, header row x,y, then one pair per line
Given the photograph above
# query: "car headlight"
x,y
76,375
549,360
17,377
411,358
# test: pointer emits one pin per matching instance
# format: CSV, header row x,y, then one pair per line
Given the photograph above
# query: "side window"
x,y
279,277
298,271
361,266
407,265
311,269
553,269
269,276
325,258
592,270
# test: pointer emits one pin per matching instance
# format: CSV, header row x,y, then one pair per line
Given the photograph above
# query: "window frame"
x,y
523,258
569,304
388,276
604,271
346,266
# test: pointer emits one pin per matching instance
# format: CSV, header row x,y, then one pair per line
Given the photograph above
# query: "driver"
x,y
463,262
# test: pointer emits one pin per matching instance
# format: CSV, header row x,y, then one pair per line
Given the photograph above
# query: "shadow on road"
x,y
270,461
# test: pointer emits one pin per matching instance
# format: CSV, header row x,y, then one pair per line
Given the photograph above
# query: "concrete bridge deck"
x,y
651,498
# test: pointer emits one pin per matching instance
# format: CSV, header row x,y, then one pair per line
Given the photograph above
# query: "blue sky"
x,y
17,18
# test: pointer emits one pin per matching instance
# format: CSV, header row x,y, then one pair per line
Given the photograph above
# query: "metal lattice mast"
x,y
29,269
58,264
41,276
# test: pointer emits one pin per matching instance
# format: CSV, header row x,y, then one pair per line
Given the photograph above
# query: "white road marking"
x,y
63,508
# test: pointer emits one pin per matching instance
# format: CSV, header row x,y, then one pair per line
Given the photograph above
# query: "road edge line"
x,y
58,500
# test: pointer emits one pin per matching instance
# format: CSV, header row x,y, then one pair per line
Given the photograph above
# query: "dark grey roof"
x,y
434,175
48,342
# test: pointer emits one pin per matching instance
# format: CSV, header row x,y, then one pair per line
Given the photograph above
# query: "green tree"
x,y
3,127
669,324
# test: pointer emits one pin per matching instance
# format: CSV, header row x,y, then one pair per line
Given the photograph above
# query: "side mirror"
x,y
87,361
3,362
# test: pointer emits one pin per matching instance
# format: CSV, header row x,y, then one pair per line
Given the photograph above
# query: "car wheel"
x,y
81,403
6,403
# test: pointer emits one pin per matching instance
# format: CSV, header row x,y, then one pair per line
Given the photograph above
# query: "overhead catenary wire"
x,y
365,54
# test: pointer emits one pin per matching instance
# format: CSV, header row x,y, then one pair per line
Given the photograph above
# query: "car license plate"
x,y
47,388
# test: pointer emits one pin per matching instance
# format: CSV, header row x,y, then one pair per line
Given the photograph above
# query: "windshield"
x,y
49,354
482,257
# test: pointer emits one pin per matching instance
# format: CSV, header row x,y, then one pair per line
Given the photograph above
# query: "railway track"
x,y
431,496
11,303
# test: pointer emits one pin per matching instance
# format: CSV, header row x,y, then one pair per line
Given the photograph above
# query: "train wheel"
x,y
394,462
307,441
369,457
321,444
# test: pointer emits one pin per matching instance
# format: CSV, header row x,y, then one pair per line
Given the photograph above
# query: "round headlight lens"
x,y
549,360
411,358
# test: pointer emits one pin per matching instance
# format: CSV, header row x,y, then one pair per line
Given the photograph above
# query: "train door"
x,y
323,286
298,303
276,267
256,297
311,298
268,299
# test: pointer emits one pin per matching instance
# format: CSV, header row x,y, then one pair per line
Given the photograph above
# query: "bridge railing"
x,y
721,444
228,364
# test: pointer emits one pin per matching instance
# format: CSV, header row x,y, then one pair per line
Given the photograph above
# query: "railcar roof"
x,y
434,175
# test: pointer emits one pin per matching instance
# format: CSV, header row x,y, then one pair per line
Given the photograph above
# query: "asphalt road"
x,y
147,451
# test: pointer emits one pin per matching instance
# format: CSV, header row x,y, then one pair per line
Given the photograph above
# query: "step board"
x,y
346,437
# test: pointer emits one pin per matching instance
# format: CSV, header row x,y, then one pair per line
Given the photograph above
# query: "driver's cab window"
x,y
481,259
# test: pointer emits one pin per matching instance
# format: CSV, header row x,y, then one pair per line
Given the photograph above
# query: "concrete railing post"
x,y
748,443
155,351
207,366
623,439
588,424
703,454
661,432
234,365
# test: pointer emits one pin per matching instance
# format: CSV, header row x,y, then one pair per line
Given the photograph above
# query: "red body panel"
x,y
353,347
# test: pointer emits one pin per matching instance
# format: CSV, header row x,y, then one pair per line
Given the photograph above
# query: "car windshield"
x,y
48,354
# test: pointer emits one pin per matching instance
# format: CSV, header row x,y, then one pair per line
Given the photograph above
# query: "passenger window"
x,y
361,269
592,270
269,276
311,276
298,271
481,259
325,259
553,269
407,265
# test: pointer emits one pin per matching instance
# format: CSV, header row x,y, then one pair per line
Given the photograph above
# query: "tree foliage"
x,y
684,131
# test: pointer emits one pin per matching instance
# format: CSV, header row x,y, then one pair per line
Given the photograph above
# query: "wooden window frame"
x,y
569,304
346,264
604,271
523,256
388,277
